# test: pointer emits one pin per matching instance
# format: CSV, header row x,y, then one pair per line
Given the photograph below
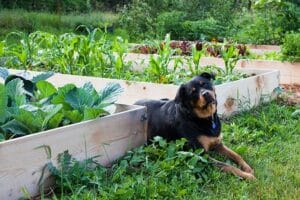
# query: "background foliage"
x,y
245,21
62,5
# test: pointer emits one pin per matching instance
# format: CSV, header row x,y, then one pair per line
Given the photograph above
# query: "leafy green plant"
x,y
33,105
22,54
194,62
158,69
138,174
230,56
290,48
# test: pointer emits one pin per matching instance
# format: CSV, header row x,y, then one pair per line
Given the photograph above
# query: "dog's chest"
x,y
208,142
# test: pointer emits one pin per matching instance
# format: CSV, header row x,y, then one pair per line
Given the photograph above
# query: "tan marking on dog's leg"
x,y
208,142
224,150
228,168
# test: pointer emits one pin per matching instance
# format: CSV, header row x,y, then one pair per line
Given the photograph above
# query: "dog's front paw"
x,y
247,168
249,176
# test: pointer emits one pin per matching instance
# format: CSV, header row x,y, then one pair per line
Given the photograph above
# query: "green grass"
x,y
268,137
20,20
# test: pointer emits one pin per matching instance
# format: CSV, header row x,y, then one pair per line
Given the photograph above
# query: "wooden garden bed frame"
x,y
23,159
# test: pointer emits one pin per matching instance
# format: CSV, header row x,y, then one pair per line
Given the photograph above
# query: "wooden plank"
x,y
289,72
22,160
244,94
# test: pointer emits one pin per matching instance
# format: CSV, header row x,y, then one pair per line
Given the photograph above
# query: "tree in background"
x,y
267,23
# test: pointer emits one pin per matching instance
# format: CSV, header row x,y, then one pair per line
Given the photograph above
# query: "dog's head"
x,y
199,95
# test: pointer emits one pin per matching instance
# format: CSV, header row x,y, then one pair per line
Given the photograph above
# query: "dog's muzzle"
x,y
209,99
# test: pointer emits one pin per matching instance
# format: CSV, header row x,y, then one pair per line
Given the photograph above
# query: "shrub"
x,y
267,24
203,29
290,48
137,20
170,22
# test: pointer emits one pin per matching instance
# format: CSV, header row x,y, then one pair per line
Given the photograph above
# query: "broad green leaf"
x,y
33,121
74,116
4,73
29,107
60,97
28,85
16,92
110,93
90,89
45,89
55,120
92,113
16,128
79,98
42,76
2,138
3,104
50,111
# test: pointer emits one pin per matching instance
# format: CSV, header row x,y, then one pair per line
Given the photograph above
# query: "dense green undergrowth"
x,y
268,137
29,21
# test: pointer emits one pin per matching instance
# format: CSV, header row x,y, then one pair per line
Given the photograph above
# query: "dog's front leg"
x,y
228,168
224,150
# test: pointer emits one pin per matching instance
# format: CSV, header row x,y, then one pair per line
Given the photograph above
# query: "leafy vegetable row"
x,y
29,105
95,55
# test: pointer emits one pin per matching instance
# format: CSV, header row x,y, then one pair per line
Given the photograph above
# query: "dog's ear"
x,y
181,93
209,76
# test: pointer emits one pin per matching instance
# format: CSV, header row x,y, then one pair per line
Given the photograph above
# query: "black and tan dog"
x,y
193,115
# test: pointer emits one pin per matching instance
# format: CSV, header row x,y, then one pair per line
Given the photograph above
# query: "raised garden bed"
x,y
23,159
260,49
289,72
232,96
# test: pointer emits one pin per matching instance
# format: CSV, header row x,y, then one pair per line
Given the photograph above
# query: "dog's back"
x,y
161,117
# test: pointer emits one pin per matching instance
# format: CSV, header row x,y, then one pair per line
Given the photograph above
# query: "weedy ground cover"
x,y
268,137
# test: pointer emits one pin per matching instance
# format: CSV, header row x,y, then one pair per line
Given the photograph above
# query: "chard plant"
x,y
230,56
194,61
119,66
32,105
158,69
